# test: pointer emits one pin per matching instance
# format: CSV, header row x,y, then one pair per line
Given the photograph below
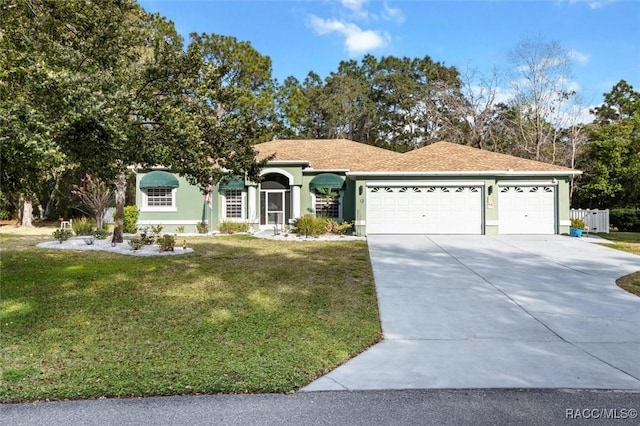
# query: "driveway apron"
x,y
497,312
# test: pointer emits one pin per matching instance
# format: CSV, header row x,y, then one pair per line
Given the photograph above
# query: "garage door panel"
x,y
424,210
527,210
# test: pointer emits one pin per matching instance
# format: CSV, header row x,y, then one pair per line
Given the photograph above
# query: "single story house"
x,y
443,188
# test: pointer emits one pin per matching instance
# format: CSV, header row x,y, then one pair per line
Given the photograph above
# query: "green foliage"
x,y
166,242
625,220
83,226
5,215
101,234
157,229
577,223
131,214
180,229
136,243
62,235
202,227
228,227
340,228
309,225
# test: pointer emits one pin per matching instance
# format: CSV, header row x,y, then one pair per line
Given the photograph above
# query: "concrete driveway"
x,y
498,312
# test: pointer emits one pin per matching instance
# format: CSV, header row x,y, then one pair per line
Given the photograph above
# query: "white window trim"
x,y
340,204
146,208
243,202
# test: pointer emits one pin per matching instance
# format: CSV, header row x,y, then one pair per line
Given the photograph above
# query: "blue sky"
x,y
603,36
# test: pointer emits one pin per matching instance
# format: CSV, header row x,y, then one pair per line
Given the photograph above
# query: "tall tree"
x,y
541,71
611,162
106,85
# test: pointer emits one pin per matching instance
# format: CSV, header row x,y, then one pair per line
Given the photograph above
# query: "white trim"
x,y
243,206
471,173
145,208
312,170
527,183
287,162
492,223
279,171
360,222
565,223
169,222
411,183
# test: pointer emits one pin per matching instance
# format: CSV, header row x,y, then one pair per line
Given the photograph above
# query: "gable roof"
x,y
453,157
325,154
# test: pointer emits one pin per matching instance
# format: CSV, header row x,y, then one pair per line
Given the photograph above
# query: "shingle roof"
x,y
325,154
452,157
342,154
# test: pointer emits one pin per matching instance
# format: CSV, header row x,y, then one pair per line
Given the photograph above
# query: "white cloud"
x,y
594,4
392,13
357,40
580,58
357,7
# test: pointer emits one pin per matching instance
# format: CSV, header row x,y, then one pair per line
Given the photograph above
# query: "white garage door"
x,y
527,210
424,210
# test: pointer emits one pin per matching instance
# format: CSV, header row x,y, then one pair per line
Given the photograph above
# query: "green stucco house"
x,y
443,188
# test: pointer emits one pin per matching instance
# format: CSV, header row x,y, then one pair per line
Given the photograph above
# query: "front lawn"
x,y
626,241
239,315
629,242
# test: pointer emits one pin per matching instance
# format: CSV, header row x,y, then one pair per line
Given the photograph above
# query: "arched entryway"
x,y
275,199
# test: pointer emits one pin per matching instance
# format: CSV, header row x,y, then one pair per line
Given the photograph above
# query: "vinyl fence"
x,y
595,220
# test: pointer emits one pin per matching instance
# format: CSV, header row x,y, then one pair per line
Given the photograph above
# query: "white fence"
x,y
595,220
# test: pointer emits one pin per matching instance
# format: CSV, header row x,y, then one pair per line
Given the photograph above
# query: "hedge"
x,y
626,220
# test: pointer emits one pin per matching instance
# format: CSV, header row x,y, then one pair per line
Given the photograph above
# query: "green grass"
x,y
625,241
629,242
239,315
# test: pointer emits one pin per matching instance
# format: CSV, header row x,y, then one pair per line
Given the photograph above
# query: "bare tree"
x,y
96,196
541,85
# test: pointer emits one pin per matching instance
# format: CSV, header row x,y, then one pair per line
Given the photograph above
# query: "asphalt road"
x,y
400,407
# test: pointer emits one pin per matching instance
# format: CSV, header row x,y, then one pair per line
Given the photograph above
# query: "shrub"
x,y
180,229
626,220
577,223
83,226
101,234
227,227
340,228
136,243
5,215
202,227
157,229
166,242
309,225
62,235
131,214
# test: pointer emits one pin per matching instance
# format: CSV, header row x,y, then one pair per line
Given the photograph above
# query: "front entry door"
x,y
273,208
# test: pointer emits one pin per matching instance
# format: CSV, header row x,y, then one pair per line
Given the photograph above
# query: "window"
x,y
160,198
327,206
233,204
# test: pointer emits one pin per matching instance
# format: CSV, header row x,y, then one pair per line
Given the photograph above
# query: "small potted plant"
x,y
577,226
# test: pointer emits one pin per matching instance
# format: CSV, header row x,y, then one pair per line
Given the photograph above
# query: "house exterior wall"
x,y
190,208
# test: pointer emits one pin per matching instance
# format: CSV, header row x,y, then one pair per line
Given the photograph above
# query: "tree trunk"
x,y
26,216
121,190
52,200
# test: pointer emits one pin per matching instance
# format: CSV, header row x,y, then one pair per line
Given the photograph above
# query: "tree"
x,y
102,86
541,72
619,104
611,162
96,196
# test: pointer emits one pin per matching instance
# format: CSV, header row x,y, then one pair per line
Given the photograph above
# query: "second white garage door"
x,y
424,210
527,210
